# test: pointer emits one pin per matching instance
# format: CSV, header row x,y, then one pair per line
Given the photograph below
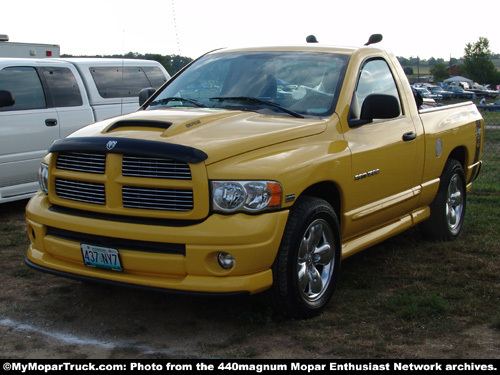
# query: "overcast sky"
x,y
423,28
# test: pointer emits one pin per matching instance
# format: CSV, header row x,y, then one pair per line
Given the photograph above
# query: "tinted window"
x,y
63,87
375,77
119,82
155,76
25,84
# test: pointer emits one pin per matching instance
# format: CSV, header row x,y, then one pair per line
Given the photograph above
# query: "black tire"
x,y
307,266
448,207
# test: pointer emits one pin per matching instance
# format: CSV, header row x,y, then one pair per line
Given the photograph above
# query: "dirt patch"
x,y
44,316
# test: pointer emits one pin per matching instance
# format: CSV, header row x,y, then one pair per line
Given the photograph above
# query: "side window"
x,y
119,82
375,77
24,83
63,87
155,76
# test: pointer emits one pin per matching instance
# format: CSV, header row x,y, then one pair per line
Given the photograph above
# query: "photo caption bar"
x,y
257,366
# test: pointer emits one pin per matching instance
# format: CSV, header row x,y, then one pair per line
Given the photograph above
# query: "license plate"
x,y
102,257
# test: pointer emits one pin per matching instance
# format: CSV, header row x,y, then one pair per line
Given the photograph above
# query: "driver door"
x,y
384,158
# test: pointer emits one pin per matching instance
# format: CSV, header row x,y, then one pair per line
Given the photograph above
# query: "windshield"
x,y
299,84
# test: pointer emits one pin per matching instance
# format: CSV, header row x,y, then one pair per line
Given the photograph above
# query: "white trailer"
x,y
27,50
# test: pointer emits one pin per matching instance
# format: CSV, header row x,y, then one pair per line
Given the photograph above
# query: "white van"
x,y
55,97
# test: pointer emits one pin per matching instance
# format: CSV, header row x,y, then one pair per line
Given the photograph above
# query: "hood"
x,y
219,133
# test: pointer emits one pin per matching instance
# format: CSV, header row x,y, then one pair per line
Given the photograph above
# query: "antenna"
x,y
175,28
374,38
123,68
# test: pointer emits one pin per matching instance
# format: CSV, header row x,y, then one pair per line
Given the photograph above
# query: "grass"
x,y
416,306
488,182
12,234
404,298
407,291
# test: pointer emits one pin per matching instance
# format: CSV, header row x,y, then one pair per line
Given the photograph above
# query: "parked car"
x,y
461,93
43,100
483,91
427,94
492,107
446,94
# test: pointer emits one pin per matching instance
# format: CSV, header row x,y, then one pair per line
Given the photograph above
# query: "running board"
x,y
372,238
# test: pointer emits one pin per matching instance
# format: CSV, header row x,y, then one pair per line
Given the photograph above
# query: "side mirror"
x,y
144,95
6,98
377,106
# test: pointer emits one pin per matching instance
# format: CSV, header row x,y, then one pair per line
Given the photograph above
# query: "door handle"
x,y
51,122
410,136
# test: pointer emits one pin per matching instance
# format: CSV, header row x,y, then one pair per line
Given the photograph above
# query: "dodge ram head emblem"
x,y
111,145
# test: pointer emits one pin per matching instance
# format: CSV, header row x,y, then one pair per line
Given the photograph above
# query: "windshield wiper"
x,y
249,99
176,99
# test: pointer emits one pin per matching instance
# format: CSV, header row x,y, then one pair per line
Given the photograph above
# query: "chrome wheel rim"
x,y
454,203
316,260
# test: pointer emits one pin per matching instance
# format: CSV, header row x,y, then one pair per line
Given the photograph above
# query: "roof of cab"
x,y
310,47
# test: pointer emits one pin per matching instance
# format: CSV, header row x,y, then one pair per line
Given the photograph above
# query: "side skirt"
x,y
367,240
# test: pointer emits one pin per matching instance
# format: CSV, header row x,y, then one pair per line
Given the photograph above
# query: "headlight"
x,y
43,176
246,196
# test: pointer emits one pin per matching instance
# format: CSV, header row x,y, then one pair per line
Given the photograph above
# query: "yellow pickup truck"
x,y
252,170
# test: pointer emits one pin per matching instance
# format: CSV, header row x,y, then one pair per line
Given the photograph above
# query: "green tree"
x,y
172,63
409,71
439,72
477,63
403,61
179,62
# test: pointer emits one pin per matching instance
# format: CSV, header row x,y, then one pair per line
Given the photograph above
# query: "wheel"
x,y
308,262
448,207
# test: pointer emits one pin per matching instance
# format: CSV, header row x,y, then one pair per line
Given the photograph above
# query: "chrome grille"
x,y
135,166
87,192
167,196
82,162
157,199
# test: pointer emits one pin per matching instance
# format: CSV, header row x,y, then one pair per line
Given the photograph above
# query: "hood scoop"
x,y
139,125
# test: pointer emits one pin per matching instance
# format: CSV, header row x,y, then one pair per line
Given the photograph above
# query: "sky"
x,y
424,28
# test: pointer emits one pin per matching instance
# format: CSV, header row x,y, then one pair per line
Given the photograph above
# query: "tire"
x,y
307,265
448,207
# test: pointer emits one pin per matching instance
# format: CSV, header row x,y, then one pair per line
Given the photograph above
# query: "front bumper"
x,y
253,240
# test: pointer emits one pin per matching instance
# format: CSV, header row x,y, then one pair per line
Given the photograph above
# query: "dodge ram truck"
x,y
252,170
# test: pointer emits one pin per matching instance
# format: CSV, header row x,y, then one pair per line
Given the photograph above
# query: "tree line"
x,y
476,64
172,63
